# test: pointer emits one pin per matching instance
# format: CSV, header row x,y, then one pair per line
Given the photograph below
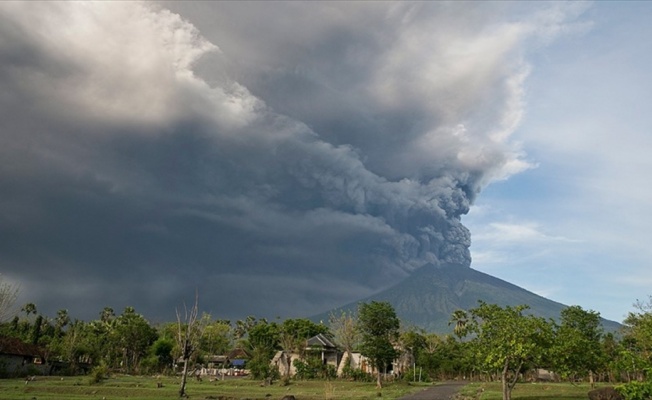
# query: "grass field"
x,y
142,387
528,391
145,388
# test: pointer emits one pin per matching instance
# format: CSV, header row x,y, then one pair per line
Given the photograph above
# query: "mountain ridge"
x,y
428,297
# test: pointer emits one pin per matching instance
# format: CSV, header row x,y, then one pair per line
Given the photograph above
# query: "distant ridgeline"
x,y
428,298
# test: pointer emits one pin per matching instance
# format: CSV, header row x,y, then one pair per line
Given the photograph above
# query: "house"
x,y
215,365
319,346
323,348
19,359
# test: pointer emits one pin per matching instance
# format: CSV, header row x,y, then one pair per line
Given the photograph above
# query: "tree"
x,y
506,340
379,327
577,347
190,329
107,314
133,335
264,338
638,336
345,329
61,321
29,308
216,338
459,319
8,296
293,335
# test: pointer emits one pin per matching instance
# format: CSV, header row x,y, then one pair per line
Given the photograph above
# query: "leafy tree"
x,y
133,335
293,334
160,354
506,340
577,349
638,336
242,327
216,337
379,327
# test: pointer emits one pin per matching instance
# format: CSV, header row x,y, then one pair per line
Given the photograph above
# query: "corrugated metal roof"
x,y
321,340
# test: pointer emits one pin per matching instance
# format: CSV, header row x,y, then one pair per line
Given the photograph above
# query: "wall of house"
x,y
13,365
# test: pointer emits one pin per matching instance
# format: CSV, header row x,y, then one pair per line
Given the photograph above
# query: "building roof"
x,y
16,347
321,340
239,353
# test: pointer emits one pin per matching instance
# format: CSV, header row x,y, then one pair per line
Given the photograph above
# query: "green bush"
x,y
313,368
413,375
356,374
98,374
636,390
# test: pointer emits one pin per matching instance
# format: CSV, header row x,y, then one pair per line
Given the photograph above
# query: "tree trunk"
x,y
379,383
507,391
288,363
184,375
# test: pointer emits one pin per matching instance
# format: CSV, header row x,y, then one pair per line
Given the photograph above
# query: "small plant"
x,y
98,374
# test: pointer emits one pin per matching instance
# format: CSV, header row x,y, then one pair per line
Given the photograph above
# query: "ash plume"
x,y
279,173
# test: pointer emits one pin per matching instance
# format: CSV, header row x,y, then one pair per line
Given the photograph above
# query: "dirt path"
x,y
441,391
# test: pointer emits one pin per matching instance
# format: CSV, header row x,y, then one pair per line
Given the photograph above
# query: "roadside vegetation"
x,y
503,350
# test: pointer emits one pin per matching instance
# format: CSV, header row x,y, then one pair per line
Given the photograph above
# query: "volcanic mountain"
x,y
431,294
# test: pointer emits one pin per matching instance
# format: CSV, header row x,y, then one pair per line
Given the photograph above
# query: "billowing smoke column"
x,y
322,161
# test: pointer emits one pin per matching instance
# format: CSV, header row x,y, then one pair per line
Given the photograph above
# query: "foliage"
x,y
636,390
216,338
355,374
638,337
379,327
506,340
260,367
576,349
133,334
98,374
313,368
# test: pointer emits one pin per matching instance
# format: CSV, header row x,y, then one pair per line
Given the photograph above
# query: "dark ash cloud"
x,y
280,172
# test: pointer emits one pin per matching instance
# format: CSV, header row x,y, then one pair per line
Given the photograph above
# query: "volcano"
x,y
428,298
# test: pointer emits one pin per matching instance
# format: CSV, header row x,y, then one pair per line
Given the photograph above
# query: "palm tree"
x,y
460,319
62,320
28,309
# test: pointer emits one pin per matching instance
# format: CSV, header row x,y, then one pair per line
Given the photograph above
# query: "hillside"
x,y
430,295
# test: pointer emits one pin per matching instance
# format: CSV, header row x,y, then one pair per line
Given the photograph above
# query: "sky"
x,y
285,158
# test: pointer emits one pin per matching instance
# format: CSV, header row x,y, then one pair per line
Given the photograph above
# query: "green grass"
x,y
528,391
143,387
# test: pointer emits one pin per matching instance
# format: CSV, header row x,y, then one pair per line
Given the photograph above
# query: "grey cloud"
x,y
275,166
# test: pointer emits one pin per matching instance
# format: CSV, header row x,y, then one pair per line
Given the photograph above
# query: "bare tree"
x,y
8,296
345,330
190,331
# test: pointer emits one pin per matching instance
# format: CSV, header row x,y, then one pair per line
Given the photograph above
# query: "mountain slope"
x,y
430,295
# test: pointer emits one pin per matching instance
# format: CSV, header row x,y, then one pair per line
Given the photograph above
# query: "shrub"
x,y
635,390
98,374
